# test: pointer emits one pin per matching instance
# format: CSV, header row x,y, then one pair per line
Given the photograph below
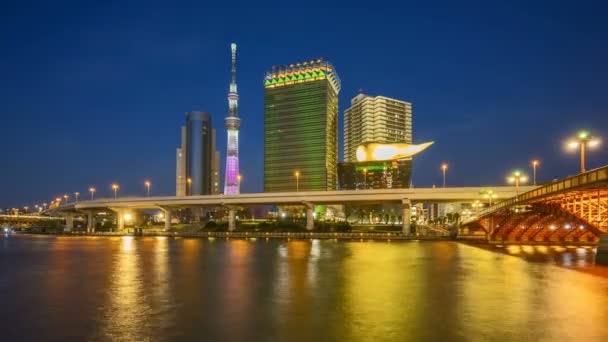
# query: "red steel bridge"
x,y
569,211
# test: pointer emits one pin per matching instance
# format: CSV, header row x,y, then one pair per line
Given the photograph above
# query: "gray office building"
x,y
180,168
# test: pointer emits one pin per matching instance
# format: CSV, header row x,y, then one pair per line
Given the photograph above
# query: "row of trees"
x,y
449,218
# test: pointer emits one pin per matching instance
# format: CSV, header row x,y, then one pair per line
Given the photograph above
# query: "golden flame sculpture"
x,y
377,152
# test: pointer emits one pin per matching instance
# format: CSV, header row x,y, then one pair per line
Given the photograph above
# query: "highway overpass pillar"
x,y
310,217
125,216
120,221
69,222
231,219
90,222
120,218
407,215
167,219
601,256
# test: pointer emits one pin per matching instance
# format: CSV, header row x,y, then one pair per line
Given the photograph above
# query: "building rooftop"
x,y
313,70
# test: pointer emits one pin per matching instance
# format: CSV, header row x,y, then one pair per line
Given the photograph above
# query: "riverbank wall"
x,y
260,235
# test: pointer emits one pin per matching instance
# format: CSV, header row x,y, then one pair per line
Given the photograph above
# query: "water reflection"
x,y
567,256
138,289
378,281
237,289
124,314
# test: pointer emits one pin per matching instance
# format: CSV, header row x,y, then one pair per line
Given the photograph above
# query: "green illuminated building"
x,y
301,127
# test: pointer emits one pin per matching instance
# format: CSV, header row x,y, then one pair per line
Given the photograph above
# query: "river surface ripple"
x,y
55,288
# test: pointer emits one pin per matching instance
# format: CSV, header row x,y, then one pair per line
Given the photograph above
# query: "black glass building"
x,y
387,174
199,153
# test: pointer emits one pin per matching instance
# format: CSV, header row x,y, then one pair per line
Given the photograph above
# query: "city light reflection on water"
x,y
135,289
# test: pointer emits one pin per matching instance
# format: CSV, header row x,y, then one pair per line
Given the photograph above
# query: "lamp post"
x,y
189,181
297,174
444,168
490,195
76,194
585,140
44,205
115,187
364,178
92,191
127,218
148,184
476,205
67,197
239,178
535,164
517,177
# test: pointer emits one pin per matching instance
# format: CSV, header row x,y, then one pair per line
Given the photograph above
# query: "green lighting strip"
x,y
305,77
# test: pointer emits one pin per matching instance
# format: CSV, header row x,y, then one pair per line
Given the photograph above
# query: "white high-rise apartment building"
x,y
376,119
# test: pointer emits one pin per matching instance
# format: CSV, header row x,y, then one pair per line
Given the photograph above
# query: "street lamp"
x,y
444,168
127,217
297,174
115,187
584,139
535,164
477,205
44,205
364,178
189,181
92,191
517,177
67,197
239,178
76,194
148,184
490,195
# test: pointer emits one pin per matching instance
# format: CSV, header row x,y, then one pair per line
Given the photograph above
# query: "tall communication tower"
x,y
233,123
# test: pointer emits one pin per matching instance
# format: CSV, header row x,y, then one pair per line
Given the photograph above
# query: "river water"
x,y
170,289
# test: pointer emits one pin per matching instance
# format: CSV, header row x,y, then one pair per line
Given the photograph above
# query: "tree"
x,y
361,215
449,217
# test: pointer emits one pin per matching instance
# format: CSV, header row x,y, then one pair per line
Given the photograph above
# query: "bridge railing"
x,y
27,217
580,180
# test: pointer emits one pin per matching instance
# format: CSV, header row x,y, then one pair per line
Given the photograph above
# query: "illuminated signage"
x,y
377,152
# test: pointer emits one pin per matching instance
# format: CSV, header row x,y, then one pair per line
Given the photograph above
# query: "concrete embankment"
x,y
270,235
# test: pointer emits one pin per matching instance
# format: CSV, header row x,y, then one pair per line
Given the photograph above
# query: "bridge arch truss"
x,y
572,210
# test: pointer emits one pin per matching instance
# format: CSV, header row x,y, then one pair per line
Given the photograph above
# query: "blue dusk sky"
x,y
94,92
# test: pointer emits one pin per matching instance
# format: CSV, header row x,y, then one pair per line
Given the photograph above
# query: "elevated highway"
x,y
405,197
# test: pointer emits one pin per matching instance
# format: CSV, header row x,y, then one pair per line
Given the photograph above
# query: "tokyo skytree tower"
x,y
233,123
